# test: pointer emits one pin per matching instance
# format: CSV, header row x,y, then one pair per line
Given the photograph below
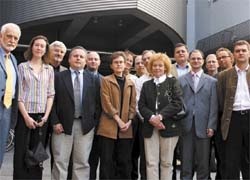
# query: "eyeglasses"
x,y
222,57
199,59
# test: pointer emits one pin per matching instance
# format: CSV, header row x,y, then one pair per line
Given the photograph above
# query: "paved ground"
x,y
6,172
7,168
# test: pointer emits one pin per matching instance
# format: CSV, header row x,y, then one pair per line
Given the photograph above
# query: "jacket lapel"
x,y
13,59
202,81
190,81
2,61
68,84
248,78
86,82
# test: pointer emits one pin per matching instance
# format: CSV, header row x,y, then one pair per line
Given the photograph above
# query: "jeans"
x,y
5,119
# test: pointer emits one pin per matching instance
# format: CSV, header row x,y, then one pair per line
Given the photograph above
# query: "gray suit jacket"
x,y
3,77
202,105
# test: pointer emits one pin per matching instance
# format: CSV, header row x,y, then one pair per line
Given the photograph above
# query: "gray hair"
x,y
10,26
59,44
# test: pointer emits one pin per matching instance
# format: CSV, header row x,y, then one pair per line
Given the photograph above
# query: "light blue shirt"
x,y
182,70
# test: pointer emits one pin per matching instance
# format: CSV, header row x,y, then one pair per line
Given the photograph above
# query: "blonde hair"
x,y
160,57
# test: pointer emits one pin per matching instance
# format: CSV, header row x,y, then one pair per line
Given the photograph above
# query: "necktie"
x,y
196,81
77,95
9,84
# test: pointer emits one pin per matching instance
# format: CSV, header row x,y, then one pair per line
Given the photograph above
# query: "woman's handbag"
x,y
37,155
183,113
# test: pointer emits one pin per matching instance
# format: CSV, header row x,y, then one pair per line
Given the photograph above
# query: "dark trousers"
x,y
21,131
218,142
138,151
115,158
94,158
195,155
177,156
236,147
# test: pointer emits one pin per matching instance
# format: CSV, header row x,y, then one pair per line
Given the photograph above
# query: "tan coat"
x,y
111,103
226,86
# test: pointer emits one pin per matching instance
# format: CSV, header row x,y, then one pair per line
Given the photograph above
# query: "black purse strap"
x,y
29,134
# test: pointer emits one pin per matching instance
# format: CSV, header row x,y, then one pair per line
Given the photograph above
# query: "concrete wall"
x,y
170,12
212,16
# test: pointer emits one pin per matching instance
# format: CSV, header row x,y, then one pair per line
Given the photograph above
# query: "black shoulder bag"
x,y
36,156
182,114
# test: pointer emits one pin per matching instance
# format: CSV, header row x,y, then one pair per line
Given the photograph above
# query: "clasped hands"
x,y
122,125
33,124
155,120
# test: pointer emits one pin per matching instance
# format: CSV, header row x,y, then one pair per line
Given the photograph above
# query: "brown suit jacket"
x,y
111,103
226,90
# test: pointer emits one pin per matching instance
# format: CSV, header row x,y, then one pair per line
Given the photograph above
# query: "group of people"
x,y
125,119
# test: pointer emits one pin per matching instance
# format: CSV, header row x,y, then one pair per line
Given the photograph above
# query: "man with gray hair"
x,y
58,50
9,37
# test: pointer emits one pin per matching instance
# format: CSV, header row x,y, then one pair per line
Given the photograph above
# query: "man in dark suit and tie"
x,y
9,37
75,113
200,96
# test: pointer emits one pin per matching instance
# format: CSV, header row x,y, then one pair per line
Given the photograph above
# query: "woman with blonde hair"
x,y
160,100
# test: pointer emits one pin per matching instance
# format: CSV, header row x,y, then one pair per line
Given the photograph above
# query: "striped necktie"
x,y
77,95
7,101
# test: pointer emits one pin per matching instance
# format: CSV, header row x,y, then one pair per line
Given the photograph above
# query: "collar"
x,y
160,79
197,73
180,67
3,52
239,70
44,66
73,71
93,72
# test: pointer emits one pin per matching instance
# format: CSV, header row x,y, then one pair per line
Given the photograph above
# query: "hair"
x,y
117,54
11,26
77,47
228,52
28,53
146,51
180,45
209,56
240,43
128,52
162,57
58,44
196,51
89,52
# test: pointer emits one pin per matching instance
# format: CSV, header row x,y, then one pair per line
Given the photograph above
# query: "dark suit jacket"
x,y
227,84
3,77
166,107
63,107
